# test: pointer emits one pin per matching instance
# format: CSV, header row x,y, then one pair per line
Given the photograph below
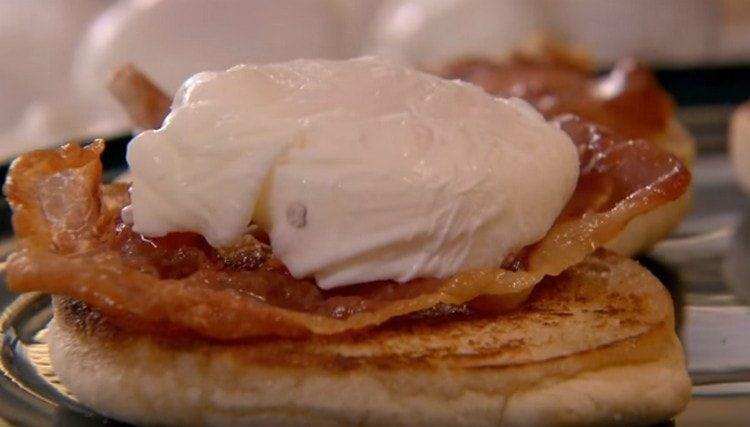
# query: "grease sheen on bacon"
x,y
73,244
628,99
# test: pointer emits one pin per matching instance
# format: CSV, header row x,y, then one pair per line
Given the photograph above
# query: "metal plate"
x,y
31,393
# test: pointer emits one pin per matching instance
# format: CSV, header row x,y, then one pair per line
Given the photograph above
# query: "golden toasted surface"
x,y
604,300
595,345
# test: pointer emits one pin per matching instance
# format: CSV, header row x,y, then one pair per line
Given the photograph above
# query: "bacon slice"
x,y
73,245
144,102
628,99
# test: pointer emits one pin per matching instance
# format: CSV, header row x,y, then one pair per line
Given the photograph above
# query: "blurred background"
x,y
57,55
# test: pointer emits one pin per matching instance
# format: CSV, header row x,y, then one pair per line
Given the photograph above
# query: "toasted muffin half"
x,y
595,345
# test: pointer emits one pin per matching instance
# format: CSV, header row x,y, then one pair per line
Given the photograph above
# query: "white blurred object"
x,y
428,33
663,32
739,144
171,40
37,39
56,61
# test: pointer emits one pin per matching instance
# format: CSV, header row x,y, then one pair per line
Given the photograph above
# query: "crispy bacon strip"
x,y
144,102
628,99
55,196
620,179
